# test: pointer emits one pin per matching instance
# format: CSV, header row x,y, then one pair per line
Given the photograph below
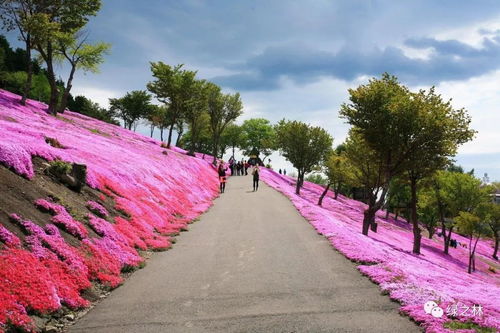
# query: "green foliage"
x,y
428,209
258,136
133,106
59,168
85,106
223,109
339,171
232,136
196,111
173,87
317,179
54,29
460,192
458,325
303,145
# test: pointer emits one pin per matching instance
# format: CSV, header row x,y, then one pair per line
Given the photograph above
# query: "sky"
x,y
297,59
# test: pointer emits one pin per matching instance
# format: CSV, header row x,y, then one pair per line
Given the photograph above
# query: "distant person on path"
x,y
284,172
255,173
280,172
246,166
222,176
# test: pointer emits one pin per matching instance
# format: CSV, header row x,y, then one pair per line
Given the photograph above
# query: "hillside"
x,y
386,258
61,245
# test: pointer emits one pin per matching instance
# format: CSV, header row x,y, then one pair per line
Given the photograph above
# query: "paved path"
x,y
251,264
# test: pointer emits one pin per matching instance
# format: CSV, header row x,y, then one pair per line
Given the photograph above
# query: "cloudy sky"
x,y
296,59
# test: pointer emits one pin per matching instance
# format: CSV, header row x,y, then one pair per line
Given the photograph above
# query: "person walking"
x,y
256,174
280,172
222,176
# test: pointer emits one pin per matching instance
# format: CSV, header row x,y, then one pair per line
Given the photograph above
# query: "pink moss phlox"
x,y
8,238
97,209
63,218
410,279
159,194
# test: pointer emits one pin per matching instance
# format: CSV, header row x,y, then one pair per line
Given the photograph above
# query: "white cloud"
x,y
97,95
481,97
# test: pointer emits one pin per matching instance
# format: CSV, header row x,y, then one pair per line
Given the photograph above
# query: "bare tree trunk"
x,y
29,78
170,130
469,269
54,91
495,252
447,239
414,219
337,190
152,129
64,100
215,149
179,136
299,183
320,202
368,220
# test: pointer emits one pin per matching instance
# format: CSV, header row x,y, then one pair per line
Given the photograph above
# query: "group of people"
x,y
282,172
239,168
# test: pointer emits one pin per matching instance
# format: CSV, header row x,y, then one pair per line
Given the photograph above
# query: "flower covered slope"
x,y
387,259
157,191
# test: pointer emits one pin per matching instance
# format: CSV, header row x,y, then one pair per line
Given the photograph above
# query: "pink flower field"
x,y
159,191
386,258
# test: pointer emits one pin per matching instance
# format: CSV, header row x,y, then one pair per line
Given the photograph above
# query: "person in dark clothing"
x,y
246,166
222,177
280,172
255,173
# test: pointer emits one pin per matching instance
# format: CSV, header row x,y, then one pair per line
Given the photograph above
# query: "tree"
x,y
303,145
317,178
472,226
203,143
85,106
397,198
490,213
222,110
456,192
369,172
428,211
338,172
14,14
233,136
380,123
173,88
196,106
132,107
433,133
54,27
80,55
258,137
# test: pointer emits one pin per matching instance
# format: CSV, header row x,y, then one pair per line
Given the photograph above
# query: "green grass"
x,y
457,325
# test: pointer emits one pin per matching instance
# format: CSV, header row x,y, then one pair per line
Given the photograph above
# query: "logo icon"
x,y
433,309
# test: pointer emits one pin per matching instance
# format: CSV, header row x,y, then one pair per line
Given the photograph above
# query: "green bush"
x,y
58,168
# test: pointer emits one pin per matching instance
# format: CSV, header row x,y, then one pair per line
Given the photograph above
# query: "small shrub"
x,y
54,142
59,168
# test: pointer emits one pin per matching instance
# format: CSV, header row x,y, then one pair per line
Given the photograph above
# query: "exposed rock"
x,y
70,317
50,329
